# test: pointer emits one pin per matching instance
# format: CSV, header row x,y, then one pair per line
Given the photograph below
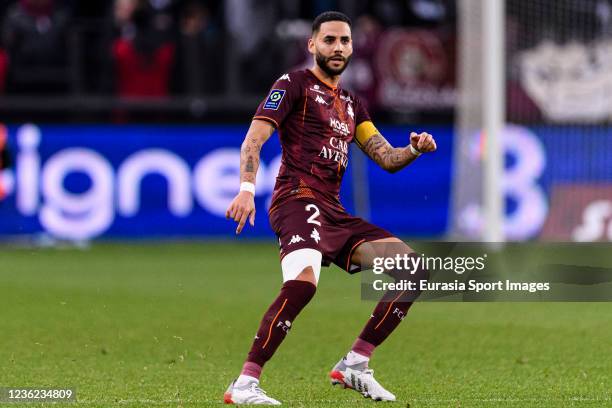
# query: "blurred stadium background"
x,y
122,122
117,112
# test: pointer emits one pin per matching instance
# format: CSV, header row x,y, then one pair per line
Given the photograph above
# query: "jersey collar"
x,y
324,82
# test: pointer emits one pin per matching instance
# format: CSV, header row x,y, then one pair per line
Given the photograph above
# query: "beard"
x,y
323,62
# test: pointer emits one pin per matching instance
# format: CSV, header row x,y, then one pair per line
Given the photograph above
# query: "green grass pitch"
x,y
148,325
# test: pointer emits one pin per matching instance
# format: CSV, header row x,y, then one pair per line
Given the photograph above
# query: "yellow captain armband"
x,y
365,130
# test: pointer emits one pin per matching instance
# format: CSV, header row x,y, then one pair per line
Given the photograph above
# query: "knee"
x,y
298,294
307,275
416,274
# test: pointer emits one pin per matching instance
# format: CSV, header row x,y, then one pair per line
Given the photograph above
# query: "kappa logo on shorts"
x,y
274,99
295,239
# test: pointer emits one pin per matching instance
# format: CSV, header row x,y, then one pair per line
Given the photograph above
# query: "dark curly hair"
x,y
329,16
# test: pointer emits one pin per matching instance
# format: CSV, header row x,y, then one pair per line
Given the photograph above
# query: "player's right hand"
x,y
241,208
423,142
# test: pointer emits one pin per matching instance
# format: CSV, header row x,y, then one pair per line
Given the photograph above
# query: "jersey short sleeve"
x,y
361,112
280,100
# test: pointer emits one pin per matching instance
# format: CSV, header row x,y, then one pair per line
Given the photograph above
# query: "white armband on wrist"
x,y
415,151
246,186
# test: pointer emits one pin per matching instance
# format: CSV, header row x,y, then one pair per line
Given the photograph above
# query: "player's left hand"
x,y
423,142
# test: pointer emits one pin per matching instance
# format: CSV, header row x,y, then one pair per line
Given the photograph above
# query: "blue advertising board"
x,y
415,201
89,181
557,183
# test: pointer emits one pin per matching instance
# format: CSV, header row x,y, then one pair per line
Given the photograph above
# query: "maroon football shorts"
x,y
308,223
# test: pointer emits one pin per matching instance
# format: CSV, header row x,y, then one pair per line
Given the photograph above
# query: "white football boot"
x,y
248,394
361,379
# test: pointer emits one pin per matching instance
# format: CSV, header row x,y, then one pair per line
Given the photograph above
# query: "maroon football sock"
x,y
385,318
392,308
278,319
251,369
363,348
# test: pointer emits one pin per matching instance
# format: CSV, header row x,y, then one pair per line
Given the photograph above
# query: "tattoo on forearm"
x,y
249,166
249,160
389,158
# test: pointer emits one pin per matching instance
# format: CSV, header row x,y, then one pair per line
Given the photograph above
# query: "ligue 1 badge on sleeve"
x,y
274,99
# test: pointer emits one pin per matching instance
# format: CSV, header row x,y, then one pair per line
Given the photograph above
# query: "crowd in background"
x,y
158,48
127,47
227,51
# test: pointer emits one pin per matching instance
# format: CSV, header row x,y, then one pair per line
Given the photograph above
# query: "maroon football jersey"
x,y
316,123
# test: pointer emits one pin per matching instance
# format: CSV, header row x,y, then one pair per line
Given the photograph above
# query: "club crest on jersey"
x,y
284,77
274,99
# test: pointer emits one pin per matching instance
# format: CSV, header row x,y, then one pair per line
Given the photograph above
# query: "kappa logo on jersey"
x,y
320,100
350,111
295,239
339,127
274,99
284,77
315,235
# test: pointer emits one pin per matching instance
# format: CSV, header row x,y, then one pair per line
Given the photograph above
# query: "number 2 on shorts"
x,y
311,219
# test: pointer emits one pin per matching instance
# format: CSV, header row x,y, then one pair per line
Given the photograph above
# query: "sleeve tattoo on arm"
x,y
386,156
